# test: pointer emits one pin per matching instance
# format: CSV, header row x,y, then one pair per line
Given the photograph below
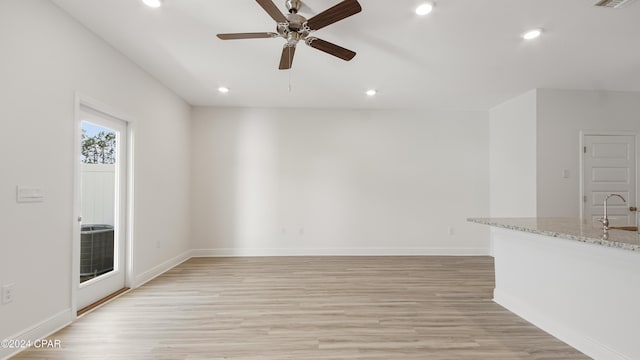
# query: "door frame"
x,y
85,101
584,133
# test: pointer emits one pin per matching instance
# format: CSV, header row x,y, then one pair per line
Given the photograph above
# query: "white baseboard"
x,y
39,331
570,336
237,252
161,268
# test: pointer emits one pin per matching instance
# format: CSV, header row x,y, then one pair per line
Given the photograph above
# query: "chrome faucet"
x,y
605,219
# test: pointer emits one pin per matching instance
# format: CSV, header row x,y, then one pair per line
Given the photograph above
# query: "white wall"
x,y
561,116
513,157
535,136
338,181
47,57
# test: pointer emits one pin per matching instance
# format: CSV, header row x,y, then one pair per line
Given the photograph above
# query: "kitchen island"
x,y
572,280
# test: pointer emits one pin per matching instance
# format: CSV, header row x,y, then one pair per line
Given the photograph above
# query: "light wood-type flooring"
x,y
316,308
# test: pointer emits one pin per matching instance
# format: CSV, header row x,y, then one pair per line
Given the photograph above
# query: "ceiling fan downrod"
x,y
293,6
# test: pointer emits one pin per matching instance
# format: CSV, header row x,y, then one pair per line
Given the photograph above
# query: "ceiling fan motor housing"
x,y
296,22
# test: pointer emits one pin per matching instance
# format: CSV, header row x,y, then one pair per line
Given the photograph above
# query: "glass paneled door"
x,y
103,189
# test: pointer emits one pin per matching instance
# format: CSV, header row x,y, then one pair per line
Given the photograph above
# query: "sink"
x,y
627,228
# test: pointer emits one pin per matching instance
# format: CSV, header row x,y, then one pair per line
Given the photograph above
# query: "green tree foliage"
x,y
99,149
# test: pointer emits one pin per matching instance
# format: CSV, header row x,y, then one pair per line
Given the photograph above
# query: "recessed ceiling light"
x,y
532,34
424,9
223,89
371,92
153,3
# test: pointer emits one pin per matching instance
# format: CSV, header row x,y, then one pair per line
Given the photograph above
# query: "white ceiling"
x,y
467,54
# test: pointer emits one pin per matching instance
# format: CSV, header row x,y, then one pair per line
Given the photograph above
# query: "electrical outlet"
x,y
452,231
158,244
7,293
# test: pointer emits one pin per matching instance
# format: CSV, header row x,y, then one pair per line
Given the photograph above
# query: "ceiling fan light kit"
x,y
295,28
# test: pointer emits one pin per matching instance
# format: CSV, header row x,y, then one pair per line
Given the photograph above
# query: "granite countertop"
x,y
567,228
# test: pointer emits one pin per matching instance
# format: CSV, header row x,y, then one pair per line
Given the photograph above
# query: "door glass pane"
x,y
99,182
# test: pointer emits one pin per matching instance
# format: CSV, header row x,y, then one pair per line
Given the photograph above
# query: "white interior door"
x,y
102,205
609,167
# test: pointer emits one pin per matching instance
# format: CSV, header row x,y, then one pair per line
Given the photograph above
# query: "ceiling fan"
x,y
294,27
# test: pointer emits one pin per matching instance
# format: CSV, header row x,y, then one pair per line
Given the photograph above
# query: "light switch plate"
x,y
29,194
7,293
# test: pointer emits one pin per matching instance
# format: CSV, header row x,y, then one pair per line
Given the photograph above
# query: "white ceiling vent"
x,y
613,3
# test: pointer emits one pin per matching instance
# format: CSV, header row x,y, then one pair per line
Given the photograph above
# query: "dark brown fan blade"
x,y
334,14
238,36
331,49
272,10
286,60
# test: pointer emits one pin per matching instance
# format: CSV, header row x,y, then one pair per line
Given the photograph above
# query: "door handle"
x,y
633,209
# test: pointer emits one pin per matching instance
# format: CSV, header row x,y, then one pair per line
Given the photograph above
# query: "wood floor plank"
x,y
436,308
